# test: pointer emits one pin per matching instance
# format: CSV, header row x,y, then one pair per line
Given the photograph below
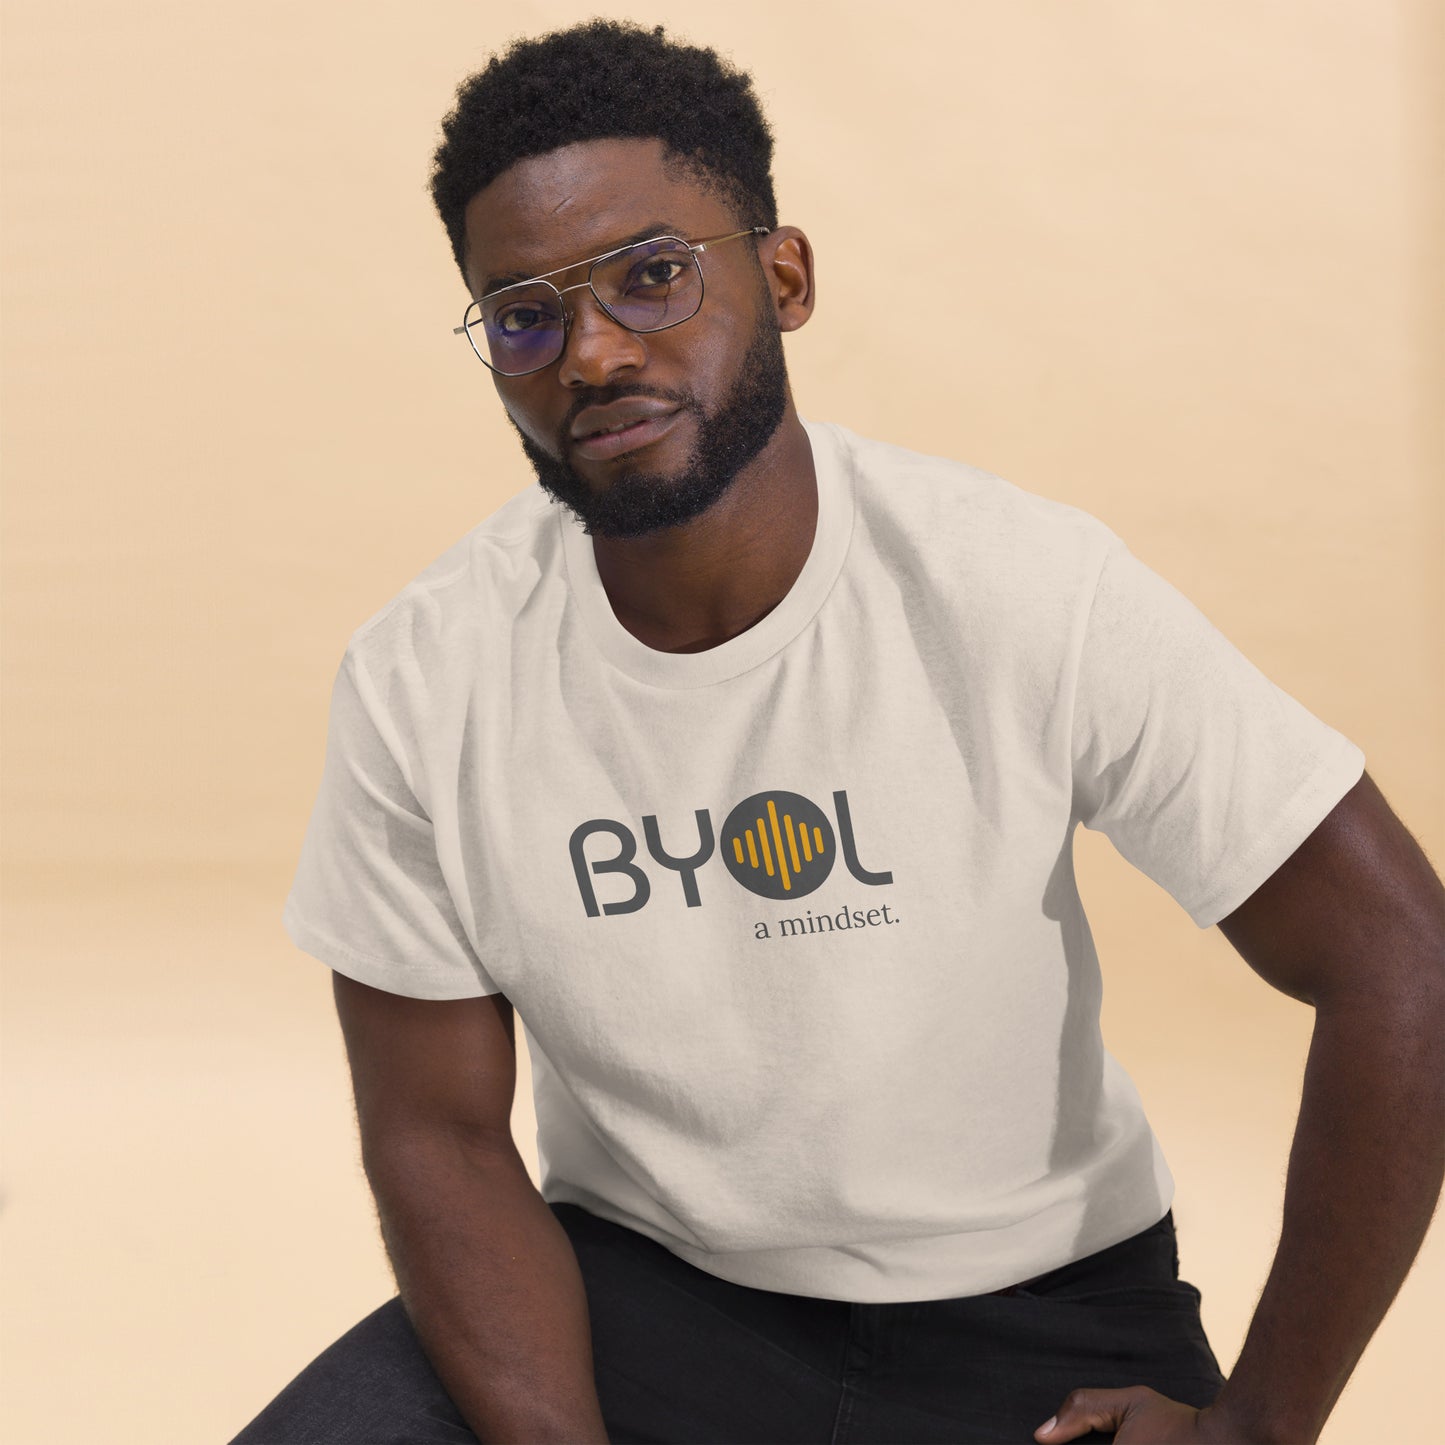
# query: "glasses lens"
x,y
651,285
519,329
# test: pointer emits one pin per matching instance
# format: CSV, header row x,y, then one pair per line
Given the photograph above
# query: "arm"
x,y
488,1277
1354,925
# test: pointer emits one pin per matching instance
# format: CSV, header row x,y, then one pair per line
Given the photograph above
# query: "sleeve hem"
x,y
1306,810
418,983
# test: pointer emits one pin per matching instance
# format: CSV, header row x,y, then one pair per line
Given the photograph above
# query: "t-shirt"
x,y
791,924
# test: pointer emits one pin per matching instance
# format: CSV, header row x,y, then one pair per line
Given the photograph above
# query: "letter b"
x,y
622,863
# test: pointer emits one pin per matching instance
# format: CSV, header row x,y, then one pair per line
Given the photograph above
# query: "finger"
x,y
1085,1410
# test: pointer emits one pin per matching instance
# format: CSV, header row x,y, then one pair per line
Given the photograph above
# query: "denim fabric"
x,y
682,1356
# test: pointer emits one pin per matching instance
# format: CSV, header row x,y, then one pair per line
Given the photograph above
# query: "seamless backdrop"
x,y
1176,264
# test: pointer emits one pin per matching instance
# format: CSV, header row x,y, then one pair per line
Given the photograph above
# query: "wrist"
x,y
1232,1420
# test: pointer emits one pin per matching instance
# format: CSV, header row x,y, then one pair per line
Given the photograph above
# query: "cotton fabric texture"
x,y
791,924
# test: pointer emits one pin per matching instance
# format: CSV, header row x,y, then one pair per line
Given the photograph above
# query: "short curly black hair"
x,y
596,80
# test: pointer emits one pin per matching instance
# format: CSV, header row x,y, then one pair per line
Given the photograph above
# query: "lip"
x,y
640,434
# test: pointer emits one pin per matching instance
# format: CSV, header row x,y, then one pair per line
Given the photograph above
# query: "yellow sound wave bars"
x,y
796,838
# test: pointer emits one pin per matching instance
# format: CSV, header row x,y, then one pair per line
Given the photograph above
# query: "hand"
x,y
1139,1416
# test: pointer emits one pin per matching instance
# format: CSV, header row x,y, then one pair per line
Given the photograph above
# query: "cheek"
x,y
727,338
729,315
522,417
704,361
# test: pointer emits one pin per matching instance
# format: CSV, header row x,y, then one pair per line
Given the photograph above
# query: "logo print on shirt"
x,y
776,844
779,845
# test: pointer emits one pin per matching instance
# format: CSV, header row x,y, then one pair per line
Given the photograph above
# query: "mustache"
x,y
605,396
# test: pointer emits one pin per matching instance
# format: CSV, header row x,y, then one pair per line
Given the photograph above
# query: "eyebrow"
x,y
657,228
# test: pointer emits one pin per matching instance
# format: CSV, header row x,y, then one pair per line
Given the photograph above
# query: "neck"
x,y
692,587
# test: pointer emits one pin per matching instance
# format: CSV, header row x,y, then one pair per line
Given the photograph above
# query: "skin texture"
x,y
688,587
638,499
486,1274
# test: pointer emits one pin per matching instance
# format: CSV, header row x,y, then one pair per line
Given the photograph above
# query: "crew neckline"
x,y
832,465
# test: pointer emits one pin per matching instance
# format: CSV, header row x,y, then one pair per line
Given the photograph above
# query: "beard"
x,y
636,501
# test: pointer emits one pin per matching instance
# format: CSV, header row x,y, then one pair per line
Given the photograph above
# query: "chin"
x,y
639,492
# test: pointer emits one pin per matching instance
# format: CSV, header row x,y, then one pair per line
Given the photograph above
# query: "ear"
x,y
787,259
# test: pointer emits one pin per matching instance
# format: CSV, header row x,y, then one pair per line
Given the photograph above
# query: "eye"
x,y
658,271
519,318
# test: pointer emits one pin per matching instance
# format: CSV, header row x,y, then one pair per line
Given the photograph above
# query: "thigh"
x,y
682,1356
992,1368
374,1386
679,1356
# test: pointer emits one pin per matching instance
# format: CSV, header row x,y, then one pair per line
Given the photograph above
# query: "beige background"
x,y
1187,260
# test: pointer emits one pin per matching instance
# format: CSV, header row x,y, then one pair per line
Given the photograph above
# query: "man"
x,y
748,776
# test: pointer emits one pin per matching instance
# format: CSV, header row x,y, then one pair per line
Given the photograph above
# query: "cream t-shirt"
x,y
791,924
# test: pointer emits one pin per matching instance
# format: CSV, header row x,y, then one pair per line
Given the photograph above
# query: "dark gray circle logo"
x,y
778,845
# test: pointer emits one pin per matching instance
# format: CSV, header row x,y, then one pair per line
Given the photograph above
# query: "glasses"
x,y
647,286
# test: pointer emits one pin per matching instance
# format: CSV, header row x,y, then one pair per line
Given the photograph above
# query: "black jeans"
x,y
682,1356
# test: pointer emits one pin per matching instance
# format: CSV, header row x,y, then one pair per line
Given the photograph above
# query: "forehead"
x,y
577,201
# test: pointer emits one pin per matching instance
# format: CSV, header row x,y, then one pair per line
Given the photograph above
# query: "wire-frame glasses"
x,y
646,286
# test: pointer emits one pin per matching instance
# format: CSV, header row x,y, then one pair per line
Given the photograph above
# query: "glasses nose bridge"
x,y
601,345
569,313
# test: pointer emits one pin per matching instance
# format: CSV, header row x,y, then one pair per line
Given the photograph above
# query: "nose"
x,y
597,347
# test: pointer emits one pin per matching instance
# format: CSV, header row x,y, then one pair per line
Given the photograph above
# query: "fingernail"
x,y
1048,1425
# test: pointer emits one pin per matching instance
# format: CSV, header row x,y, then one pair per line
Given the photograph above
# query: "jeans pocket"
x,y
1177,1294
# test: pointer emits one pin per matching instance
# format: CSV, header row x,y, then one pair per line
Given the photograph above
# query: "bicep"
x,y
424,1066
1356,910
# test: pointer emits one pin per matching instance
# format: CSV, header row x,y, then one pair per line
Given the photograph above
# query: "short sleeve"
x,y
369,897
1202,772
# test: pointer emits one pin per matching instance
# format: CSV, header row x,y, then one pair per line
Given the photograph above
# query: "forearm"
x,y
491,1284
1365,1171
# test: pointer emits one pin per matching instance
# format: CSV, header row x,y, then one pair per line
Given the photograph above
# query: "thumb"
x,y
1085,1410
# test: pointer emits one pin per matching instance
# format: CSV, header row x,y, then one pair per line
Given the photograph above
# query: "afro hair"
x,y
603,79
